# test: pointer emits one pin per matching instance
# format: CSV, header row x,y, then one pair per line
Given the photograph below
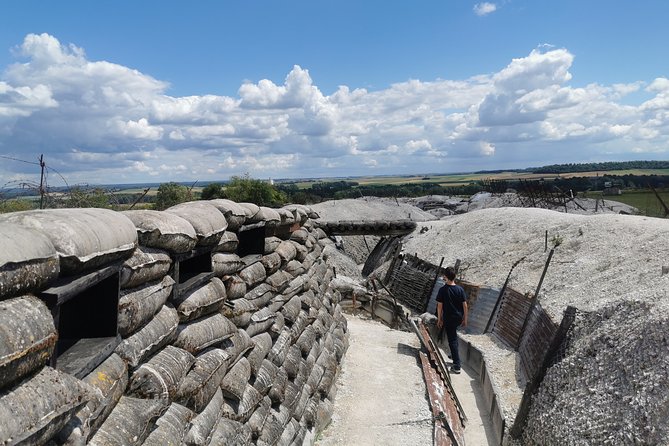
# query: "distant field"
x,y
644,200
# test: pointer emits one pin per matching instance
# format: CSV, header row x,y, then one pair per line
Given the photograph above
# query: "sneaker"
x,y
455,370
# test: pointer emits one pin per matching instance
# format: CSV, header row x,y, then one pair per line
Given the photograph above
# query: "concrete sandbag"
x,y
262,344
309,261
277,327
302,401
301,251
235,380
274,426
27,337
303,371
34,410
237,345
270,216
137,306
256,328
300,212
257,419
295,286
129,423
85,239
158,332
318,327
230,432
242,409
172,427
205,332
253,274
300,323
225,264
300,236
291,309
286,250
279,280
264,379
279,350
111,379
240,312
306,339
206,219
203,425
161,375
251,210
271,262
271,243
202,301
204,379
233,213
145,265
310,411
315,376
262,293
163,230
235,287
292,362
28,260
287,217
288,433
324,414
229,242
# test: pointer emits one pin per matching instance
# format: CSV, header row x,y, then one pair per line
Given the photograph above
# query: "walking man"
x,y
452,313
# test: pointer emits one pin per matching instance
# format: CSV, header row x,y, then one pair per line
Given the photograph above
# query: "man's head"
x,y
450,273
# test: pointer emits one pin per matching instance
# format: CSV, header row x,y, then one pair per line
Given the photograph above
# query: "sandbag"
x,y
85,239
286,250
274,425
28,260
309,261
271,262
27,337
292,362
145,265
295,286
300,212
255,328
129,423
238,344
233,213
201,301
257,419
301,405
136,306
158,332
271,243
299,324
34,410
291,309
232,433
301,251
206,219
229,242
171,428
294,268
304,370
204,379
242,409
279,350
163,230
253,274
206,332
262,345
225,264
288,433
111,379
277,391
277,327
324,414
265,377
235,380
203,425
300,236
306,339
270,216
310,411
161,375
279,280
287,217
251,210
239,311
235,287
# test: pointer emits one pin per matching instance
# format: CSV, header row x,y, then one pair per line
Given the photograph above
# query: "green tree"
x,y
16,205
247,189
84,197
212,191
170,194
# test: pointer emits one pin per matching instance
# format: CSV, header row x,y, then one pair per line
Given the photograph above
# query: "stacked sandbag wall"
x,y
245,352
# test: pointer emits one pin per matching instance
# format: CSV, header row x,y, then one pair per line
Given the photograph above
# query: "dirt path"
x,y
381,395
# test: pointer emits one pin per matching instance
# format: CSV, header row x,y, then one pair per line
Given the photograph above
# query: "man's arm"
x,y
465,311
440,321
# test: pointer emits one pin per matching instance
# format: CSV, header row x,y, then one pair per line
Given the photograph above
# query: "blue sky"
x,y
115,92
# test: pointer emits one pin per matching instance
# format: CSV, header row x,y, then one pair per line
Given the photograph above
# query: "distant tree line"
x,y
594,167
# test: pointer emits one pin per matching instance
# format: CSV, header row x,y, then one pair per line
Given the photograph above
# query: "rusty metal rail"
x,y
449,416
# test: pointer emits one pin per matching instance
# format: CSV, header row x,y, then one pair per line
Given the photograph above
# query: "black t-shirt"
x,y
452,297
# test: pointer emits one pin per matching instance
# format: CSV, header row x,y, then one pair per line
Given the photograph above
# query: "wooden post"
x,y
434,281
499,297
546,243
535,297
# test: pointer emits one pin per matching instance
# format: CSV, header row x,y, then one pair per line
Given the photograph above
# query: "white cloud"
x,y
99,121
481,9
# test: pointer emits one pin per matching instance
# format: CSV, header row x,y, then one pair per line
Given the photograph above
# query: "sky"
x,y
156,91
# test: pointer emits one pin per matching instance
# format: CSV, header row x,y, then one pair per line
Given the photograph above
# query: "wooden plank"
x,y
66,288
86,354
